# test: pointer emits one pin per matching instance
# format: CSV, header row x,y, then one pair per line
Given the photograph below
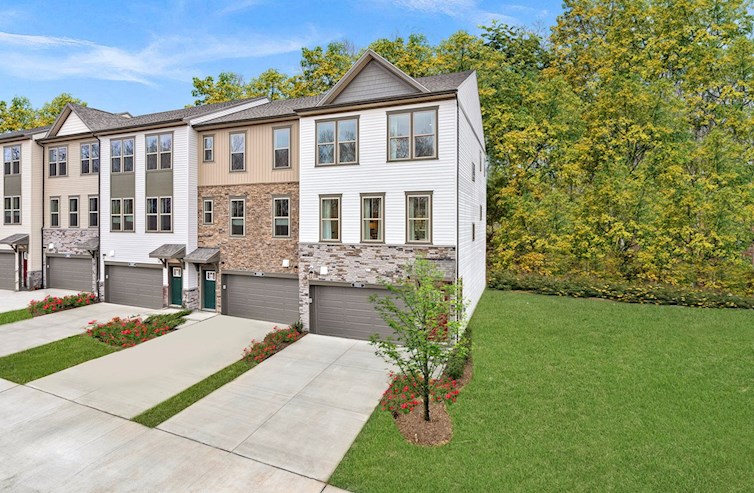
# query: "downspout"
x,y
458,185
98,256
44,215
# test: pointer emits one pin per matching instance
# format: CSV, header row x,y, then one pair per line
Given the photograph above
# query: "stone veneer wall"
x,y
65,241
191,298
368,264
258,251
34,280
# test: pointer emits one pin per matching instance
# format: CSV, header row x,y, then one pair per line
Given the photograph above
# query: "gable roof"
x,y
94,119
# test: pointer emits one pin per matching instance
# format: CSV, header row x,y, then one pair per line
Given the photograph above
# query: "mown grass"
x,y
585,395
14,316
41,361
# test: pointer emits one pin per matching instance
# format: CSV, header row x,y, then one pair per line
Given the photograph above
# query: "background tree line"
x,y
18,113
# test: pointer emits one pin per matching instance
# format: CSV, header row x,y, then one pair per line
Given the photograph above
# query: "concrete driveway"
x,y
37,331
300,410
129,382
51,444
15,300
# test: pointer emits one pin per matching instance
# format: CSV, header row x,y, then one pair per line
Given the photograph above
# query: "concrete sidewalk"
x,y
129,382
50,444
15,300
37,331
300,410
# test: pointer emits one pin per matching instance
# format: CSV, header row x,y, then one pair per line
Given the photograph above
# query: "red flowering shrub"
x,y
128,332
273,342
52,304
402,396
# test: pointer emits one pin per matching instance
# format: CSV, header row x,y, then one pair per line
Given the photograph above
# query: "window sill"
x,y
411,160
283,168
334,165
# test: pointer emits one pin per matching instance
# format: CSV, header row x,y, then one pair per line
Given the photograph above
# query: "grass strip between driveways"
x,y
14,316
41,361
170,407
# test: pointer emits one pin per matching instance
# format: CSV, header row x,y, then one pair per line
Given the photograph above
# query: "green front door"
x,y
176,286
208,290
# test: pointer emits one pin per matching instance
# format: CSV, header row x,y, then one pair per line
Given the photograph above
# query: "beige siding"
x,y
74,184
259,157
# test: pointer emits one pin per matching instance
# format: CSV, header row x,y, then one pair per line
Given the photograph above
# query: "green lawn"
x,y
14,316
587,395
44,360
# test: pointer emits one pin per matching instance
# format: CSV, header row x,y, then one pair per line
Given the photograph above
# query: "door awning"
x,y
203,256
169,251
15,240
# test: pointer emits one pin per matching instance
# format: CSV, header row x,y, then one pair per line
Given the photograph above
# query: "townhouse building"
x,y
21,227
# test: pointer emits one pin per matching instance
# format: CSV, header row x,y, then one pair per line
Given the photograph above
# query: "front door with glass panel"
x,y
176,286
208,290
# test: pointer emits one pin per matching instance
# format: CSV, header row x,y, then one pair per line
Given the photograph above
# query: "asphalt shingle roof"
x,y
22,133
96,119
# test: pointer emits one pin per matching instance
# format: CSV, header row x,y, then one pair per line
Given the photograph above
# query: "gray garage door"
x,y
70,273
263,298
346,312
7,270
136,286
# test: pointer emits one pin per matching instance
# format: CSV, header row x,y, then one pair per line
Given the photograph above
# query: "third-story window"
x,y
337,142
418,218
329,222
159,151
122,155
12,160
93,211
73,212
54,212
238,152
12,206
372,215
209,148
58,161
90,158
281,208
209,211
412,135
281,140
237,217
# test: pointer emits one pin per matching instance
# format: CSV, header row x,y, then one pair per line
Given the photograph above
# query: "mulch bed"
x,y
439,430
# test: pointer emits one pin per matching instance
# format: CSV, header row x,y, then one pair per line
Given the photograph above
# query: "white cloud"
x,y
237,6
177,57
468,10
448,7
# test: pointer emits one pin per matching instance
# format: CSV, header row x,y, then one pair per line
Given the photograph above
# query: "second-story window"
x,y
159,151
122,215
209,211
152,214
12,160
372,214
418,217
93,211
329,218
337,142
412,135
281,138
54,212
12,210
58,161
209,148
166,213
281,210
122,155
90,158
237,217
238,152
73,212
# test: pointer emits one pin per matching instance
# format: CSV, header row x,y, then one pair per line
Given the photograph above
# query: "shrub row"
x,y
128,332
53,304
619,291
273,342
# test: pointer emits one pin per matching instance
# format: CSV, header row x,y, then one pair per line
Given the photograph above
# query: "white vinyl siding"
x,y
73,125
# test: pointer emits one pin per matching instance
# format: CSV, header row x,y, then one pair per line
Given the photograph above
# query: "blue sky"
x,y
140,56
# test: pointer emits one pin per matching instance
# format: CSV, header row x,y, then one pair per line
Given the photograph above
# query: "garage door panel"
x,y
136,286
70,273
7,271
263,298
347,312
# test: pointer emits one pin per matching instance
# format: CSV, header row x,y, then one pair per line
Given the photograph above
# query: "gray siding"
x,y
7,270
135,286
374,82
12,185
346,312
160,183
70,273
262,298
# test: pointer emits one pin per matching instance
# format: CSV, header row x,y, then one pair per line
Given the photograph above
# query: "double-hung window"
x,y
58,161
159,151
93,211
159,214
122,155
418,217
12,160
412,135
281,217
54,212
166,213
122,214
209,148
152,216
372,217
90,158
238,151
329,218
12,210
337,141
281,143
237,217
208,206
73,212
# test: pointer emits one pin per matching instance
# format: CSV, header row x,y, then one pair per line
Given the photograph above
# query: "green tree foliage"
x,y
19,114
49,111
